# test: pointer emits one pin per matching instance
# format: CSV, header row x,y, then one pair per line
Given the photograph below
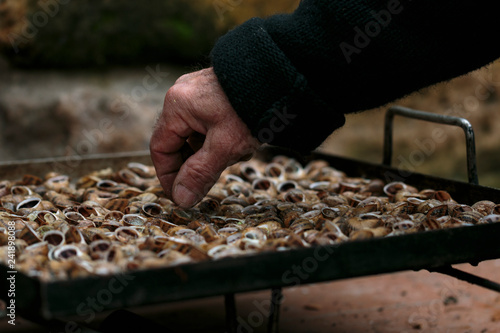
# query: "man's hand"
x,y
197,136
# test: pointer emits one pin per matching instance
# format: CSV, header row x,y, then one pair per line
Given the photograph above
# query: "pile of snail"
x,y
114,221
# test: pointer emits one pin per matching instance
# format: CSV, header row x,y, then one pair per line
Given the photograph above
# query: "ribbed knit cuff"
x,y
267,91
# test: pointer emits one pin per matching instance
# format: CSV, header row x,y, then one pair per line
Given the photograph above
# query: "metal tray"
x,y
431,250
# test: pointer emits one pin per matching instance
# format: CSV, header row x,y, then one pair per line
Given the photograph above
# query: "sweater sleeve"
x,y
292,78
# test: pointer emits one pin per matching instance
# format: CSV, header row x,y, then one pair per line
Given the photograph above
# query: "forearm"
x,y
291,78
267,90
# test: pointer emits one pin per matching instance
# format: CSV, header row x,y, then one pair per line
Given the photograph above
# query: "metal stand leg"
x,y
230,305
274,311
464,276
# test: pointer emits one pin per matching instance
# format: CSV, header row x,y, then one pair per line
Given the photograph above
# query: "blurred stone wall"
x,y
474,96
51,113
80,77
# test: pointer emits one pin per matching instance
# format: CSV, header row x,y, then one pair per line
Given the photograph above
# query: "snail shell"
x,y
442,196
222,251
92,233
74,217
250,171
470,217
66,252
57,183
300,225
74,235
254,233
20,190
91,209
173,257
275,170
98,196
126,234
295,195
40,248
54,237
142,170
209,233
29,235
209,206
437,211
361,234
133,220
114,215
431,224
117,204
392,188
99,249
28,205
484,207
492,218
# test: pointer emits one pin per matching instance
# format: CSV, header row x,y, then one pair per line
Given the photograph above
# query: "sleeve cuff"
x,y
267,91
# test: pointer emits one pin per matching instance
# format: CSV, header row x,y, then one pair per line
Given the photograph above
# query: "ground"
x,y
404,302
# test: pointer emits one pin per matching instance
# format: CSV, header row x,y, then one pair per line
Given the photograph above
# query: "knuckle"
x,y
183,78
154,146
203,174
179,97
173,92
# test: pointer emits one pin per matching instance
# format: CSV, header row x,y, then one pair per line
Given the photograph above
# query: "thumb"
x,y
196,177
201,170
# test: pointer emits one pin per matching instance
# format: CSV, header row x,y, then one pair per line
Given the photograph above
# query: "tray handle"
x,y
435,118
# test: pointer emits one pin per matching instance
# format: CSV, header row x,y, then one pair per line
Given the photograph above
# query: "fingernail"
x,y
184,197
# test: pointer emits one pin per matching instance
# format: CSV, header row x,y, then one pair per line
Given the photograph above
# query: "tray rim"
x,y
193,279
41,294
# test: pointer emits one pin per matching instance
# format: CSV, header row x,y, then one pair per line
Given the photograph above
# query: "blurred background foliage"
x,y
89,33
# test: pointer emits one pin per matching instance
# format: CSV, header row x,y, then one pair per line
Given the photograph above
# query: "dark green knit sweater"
x,y
291,78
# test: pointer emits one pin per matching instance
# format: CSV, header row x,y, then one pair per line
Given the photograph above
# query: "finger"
x,y
196,176
167,147
201,171
168,178
166,165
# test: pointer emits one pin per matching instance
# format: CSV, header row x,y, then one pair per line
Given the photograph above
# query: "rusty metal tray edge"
x,y
409,252
73,166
